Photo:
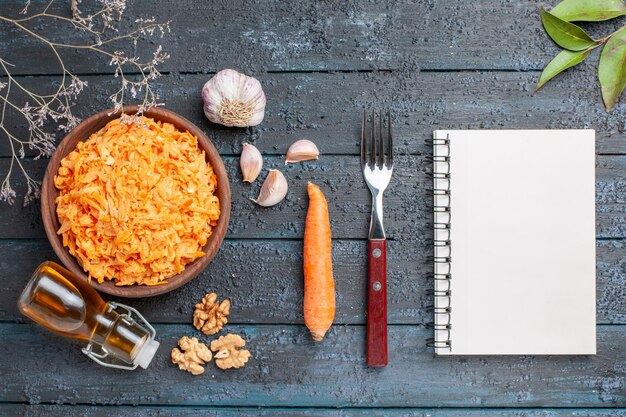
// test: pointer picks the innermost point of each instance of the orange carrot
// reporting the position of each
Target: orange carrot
(319, 286)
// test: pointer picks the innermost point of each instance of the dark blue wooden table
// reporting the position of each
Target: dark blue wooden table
(436, 64)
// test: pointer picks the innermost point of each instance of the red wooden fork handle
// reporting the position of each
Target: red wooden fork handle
(377, 303)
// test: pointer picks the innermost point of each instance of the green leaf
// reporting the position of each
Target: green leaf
(612, 68)
(589, 10)
(566, 35)
(564, 60)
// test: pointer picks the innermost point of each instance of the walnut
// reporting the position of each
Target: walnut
(228, 353)
(194, 356)
(210, 316)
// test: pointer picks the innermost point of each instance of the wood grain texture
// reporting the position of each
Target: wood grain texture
(319, 63)
(330, 374)
(326, 107)
(408, 202)
(263, 280)
(376, 342)
(254, 35)
(15, 410)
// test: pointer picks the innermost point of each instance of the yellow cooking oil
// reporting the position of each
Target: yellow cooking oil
(58, 300)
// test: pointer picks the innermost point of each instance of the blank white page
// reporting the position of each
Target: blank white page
(522, 229)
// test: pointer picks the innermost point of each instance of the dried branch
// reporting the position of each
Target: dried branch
(98, 30)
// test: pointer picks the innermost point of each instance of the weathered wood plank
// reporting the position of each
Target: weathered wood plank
(408, 203)
(263, 280)
(14, 410)
(406, 36)
(288, 368)
(315, 36)
(611, 269)
(325, 107)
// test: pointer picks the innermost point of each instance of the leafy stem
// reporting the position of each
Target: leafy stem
(577, 44)
(603, 40)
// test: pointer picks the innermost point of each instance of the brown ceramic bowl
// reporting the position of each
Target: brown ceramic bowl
(49, 194)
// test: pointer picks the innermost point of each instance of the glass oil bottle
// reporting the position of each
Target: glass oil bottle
(58, 300)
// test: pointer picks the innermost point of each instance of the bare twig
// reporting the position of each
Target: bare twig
(99, 33)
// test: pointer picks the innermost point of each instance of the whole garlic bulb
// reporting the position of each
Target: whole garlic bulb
(233, 99)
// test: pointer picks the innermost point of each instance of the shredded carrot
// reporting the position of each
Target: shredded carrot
(319, 286)
(137, 202)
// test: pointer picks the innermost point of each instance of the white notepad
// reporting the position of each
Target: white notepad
(515, 258)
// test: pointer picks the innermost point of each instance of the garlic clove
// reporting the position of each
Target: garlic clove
(273, 190)
(233, 99)
(302, 150)
(251, 162)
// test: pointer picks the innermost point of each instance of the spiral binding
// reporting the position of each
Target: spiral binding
(441, 293)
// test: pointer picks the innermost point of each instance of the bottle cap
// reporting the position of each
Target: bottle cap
(146, 353)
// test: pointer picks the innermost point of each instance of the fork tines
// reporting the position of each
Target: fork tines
(381, 150)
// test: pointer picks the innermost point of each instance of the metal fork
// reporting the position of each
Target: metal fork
(377, 166)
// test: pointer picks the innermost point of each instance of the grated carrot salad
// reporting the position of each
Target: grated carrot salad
(137, 202)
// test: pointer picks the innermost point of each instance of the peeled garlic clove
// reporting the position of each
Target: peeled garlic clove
(273, 190)
(233, 99)
(251, 162)
(302, 150)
